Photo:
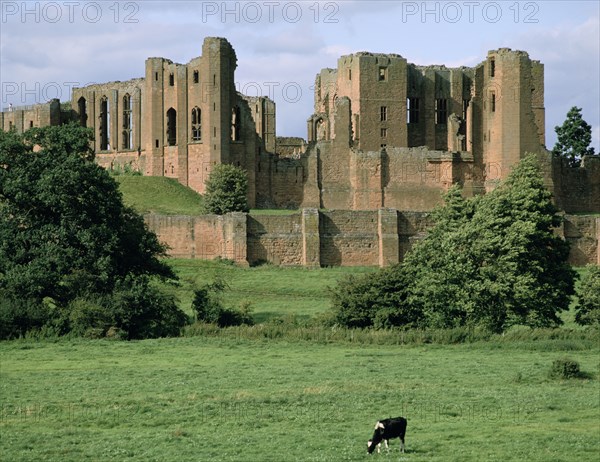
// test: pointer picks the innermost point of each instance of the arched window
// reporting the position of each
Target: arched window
(104, 124)
(196, 124)
(171, 127)
(127, 122)
(236, 123)
(82, 106)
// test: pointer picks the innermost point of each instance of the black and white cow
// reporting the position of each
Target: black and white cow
(386, 430)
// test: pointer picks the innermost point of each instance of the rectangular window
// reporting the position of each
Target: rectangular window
(196, 77)
(493, 102)
(412, 107)
(382, 74)
(441, 111)
(465, 108)
(171, 80)
(31, 124)
(464, 123)
(349, 74)
(384, 132)
(492, 67)
(156, 76)
(156, 143)
(383, 113)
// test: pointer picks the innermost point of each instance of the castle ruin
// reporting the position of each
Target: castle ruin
(385, 133)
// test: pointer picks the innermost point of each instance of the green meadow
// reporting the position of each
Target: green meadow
(288, 389)
(233, 399)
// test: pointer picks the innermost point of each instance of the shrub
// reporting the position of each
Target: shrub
(588, 309)
(376, 299)
(209, 309)
(564, 368)
(226, 190)
(17, 317)
(89, 317)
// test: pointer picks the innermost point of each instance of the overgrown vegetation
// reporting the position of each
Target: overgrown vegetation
(564, 368)
(574, 138)
(588, 308)
(491, 261)
(72, 256)
(208, 307)
(226, 190)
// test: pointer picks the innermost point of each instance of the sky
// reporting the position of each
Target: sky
(46, 48)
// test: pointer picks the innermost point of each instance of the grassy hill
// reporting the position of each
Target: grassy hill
(150, 194)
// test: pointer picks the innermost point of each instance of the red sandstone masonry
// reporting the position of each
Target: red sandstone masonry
(335, 238)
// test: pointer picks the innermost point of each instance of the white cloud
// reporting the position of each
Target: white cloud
(571, 57)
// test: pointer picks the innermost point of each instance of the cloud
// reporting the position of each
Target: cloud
(571, 57)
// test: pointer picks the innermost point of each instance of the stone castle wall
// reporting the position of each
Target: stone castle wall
(313, 238)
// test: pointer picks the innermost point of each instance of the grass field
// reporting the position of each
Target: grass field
(230, 397)
(233, 397)
(273, 291)
(215, 399)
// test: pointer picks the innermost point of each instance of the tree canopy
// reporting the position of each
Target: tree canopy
(64, 231)
(491, 261)
(574, 137)
(588, 308)
(226, 190)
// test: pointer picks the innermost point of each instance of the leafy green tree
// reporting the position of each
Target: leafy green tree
(588, 309)
(491, 261)
(574, 137)
(64, 231)
(439, 266)
(522, 274)
(226, 190)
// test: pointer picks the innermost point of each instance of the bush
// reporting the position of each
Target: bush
(226, 190)
(564, 368)
(143, 311)
(209, 309)
(588, 309)
(89, 317)
(376, 299)
(17, 317)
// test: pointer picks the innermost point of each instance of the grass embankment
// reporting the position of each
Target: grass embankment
(148, 194)
(273, 292)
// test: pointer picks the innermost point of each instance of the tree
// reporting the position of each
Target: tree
(439, 266)
(574, 138)
(491, 261)
(64, 231)
(226, 190)
(522, 274)
(588, 309)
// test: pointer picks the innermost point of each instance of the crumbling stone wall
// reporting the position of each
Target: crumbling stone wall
(577, 189)
(22, 118)
(315, 238)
